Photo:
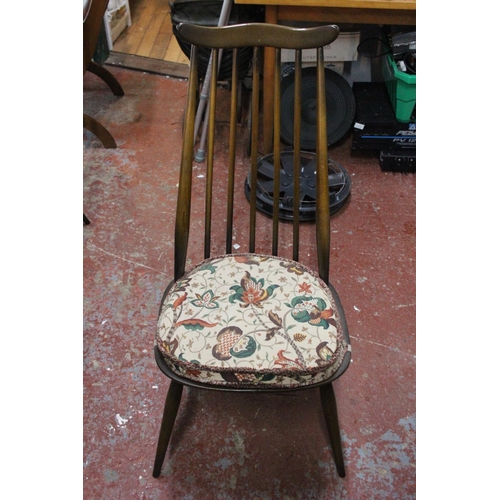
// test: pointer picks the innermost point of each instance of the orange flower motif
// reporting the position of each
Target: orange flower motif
(251, 292)
(327, 313)
(252, 295)
(305, 287)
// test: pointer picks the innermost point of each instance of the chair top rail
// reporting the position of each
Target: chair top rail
(258, 35)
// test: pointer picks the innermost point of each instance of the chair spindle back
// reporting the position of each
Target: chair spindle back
(259, 36)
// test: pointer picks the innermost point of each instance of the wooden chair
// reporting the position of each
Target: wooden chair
(252, 321)
(93, 13)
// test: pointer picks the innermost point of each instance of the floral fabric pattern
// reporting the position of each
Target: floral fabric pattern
(253, 320)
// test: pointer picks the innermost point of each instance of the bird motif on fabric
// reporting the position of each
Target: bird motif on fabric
(287, 363)
(250, 259)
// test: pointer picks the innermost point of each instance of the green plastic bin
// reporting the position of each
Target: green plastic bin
(402, 89)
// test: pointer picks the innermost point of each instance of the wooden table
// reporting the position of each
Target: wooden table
(328, 11)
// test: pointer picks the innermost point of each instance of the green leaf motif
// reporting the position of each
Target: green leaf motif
(208, 267)
(206, 300)
(232, 298)
(182, 358)
(237, 295)
(244, 347)
(193, 326)
(301, 316)
(299, 299)
(323, 323)
(320, 303)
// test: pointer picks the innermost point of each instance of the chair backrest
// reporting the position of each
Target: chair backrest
(258, 36)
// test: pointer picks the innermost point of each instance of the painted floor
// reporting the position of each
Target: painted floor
(229, 446)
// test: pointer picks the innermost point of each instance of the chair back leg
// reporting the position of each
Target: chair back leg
(332, 424)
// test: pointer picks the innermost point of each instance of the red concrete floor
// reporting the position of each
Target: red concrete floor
(229, 446)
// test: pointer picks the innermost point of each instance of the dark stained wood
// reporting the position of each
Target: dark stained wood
(107, 77)
(278, 36)
(186, 172)
(254, 148)
(322, 197)
(332, 424)
(276, 148)
(264, 35)
(232, 154)
(167, 424)
(99, 130)
(297, 118)
(155, 66)
(212, 109)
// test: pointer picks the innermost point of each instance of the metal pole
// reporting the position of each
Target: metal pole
(205, 91)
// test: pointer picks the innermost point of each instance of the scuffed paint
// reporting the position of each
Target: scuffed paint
(380, 461)
(111, 476)
(120, 420)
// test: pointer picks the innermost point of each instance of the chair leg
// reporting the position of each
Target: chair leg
(86, 220)
(332, 424)
(107, 77)
(169, 413)
(99, 130)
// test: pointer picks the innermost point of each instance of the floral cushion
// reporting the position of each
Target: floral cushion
(251, 320)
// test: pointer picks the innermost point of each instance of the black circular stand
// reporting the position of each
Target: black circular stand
(339, 185)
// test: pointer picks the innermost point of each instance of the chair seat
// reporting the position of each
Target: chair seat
(251, 320)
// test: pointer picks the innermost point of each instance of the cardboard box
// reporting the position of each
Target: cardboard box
(344, 48)
(289, 67)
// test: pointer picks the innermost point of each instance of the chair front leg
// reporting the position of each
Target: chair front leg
(332, 424)
(169, 413)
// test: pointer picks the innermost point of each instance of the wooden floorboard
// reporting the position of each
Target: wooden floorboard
(163, 39)
(150, 36)
(160, 47)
